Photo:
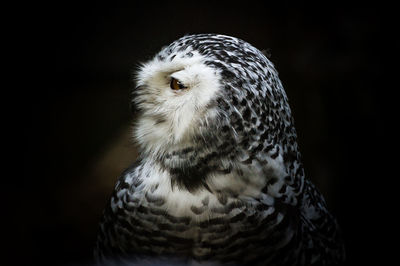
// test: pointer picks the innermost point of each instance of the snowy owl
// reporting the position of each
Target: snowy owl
(219, 178)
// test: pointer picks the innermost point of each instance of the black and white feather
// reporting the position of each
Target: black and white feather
(219, 178)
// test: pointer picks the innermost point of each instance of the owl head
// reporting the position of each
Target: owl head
(211, 101)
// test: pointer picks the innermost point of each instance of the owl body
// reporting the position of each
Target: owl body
(219, 177)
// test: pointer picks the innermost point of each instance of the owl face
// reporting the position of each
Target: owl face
(176, 98)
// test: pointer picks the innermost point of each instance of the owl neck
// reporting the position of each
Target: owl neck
(221, 164)
(190, 168)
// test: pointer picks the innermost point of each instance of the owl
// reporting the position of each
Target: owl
(219, 178)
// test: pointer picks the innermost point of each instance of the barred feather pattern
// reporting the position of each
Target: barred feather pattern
(219, 178)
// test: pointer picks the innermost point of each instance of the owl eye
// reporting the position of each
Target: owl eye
(177, 85)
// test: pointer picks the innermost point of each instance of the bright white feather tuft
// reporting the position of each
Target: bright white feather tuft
(170, 118)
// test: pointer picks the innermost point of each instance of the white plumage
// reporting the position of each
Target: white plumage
(219, 177)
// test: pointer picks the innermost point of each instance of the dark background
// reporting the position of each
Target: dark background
(71, 118)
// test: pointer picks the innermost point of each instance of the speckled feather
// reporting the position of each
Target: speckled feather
(219, 178)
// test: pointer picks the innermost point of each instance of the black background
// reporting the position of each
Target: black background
(73, 66)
